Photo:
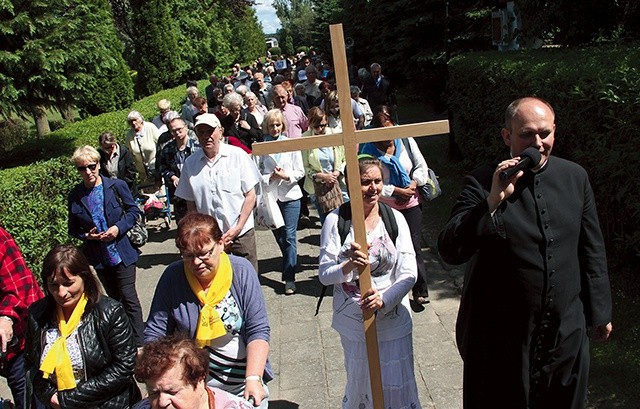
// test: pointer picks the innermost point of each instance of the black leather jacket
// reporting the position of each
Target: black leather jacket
(108, 350)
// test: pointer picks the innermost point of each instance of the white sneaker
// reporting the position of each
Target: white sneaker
(289, 287)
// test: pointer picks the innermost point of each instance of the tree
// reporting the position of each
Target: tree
(158, 61)
(297, 18)
(53, 54)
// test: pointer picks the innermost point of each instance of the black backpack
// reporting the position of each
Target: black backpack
(344, 225)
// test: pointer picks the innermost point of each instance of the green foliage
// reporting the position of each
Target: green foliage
(275, 51)
(594, 92)
(158, 61)
(57, 53)
(297, 18)
(33, 206)
(12, 133)
(249, 40)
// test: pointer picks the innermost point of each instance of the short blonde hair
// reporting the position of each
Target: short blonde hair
(85, 153)
(272, 115)
(164, 104)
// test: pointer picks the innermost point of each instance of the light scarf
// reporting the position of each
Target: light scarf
(398, 176)
(210, 325)
(57, 359)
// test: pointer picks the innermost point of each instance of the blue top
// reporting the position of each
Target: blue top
(81, 220)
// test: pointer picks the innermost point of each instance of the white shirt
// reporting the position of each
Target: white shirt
(291, 162)
(218, 186)
(393, 274)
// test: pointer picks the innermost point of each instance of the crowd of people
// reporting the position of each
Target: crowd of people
(536, 257)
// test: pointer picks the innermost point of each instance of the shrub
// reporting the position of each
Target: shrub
(12, 133)
(594, 92)
(275, 51)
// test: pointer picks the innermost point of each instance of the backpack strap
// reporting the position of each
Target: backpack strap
(344, 225)
(389, 220)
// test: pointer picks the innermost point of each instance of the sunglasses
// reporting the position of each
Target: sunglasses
(321, 126)
(91, 167)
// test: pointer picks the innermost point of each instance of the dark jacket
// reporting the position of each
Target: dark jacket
(536, 278)
(108, 350)
(246, 136)
(126, 168)
(80, 221)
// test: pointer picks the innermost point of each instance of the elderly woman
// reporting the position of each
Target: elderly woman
(254, 107)
(404, 168)
(393, 272)
(116, 161)
(209, 286)
(324, 168)
(141, 139)
(80, 348)
(280, 175)
(239, 125)
(101, 211)
(174, 371)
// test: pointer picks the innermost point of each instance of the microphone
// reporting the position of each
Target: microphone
(529, 158)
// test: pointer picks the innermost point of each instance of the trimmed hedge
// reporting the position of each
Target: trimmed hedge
(596, 96)
(33, 197)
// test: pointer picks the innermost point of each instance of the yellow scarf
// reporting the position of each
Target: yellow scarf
(210, 325)
(57, 359)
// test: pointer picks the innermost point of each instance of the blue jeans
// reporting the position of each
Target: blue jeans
(15, 373)
(287, 240)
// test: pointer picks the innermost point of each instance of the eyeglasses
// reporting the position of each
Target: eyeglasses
(91, 167)
(175, 131)
(202, 257)
(320, 126)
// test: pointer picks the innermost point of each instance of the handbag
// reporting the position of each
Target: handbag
(431, 189)
(267, 214)
(138, 234)
(328, 198)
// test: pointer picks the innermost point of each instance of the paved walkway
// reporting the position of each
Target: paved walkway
(305, 351)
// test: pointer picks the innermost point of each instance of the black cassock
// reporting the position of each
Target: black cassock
(536, 278)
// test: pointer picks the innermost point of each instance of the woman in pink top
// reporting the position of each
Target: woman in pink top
(404, 168)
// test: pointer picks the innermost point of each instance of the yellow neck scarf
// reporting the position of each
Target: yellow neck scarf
(57, 359)
(210, 325)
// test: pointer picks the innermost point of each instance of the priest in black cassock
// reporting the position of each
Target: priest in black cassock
(537, 284)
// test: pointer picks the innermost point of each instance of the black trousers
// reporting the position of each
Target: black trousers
(120, 283)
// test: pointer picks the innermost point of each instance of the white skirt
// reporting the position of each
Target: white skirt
(398, 378)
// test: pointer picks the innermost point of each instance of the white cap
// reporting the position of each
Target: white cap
(208, 119)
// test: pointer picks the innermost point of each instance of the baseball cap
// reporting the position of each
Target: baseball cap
(208, 119)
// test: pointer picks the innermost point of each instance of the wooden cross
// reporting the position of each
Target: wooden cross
(350, 139)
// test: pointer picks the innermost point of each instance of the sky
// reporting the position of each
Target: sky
(267, 16)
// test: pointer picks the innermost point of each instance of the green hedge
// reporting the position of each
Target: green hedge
(33, 196)
(596, 95)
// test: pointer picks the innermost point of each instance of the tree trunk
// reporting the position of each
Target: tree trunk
(67, 113)
(42, 122)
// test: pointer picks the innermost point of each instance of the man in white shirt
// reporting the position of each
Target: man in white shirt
(220, 180)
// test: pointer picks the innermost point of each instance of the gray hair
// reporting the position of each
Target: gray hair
(169, 116)
(133, 115)
(192, 90)
(242, 90)
(232, 99)
(355, 90)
